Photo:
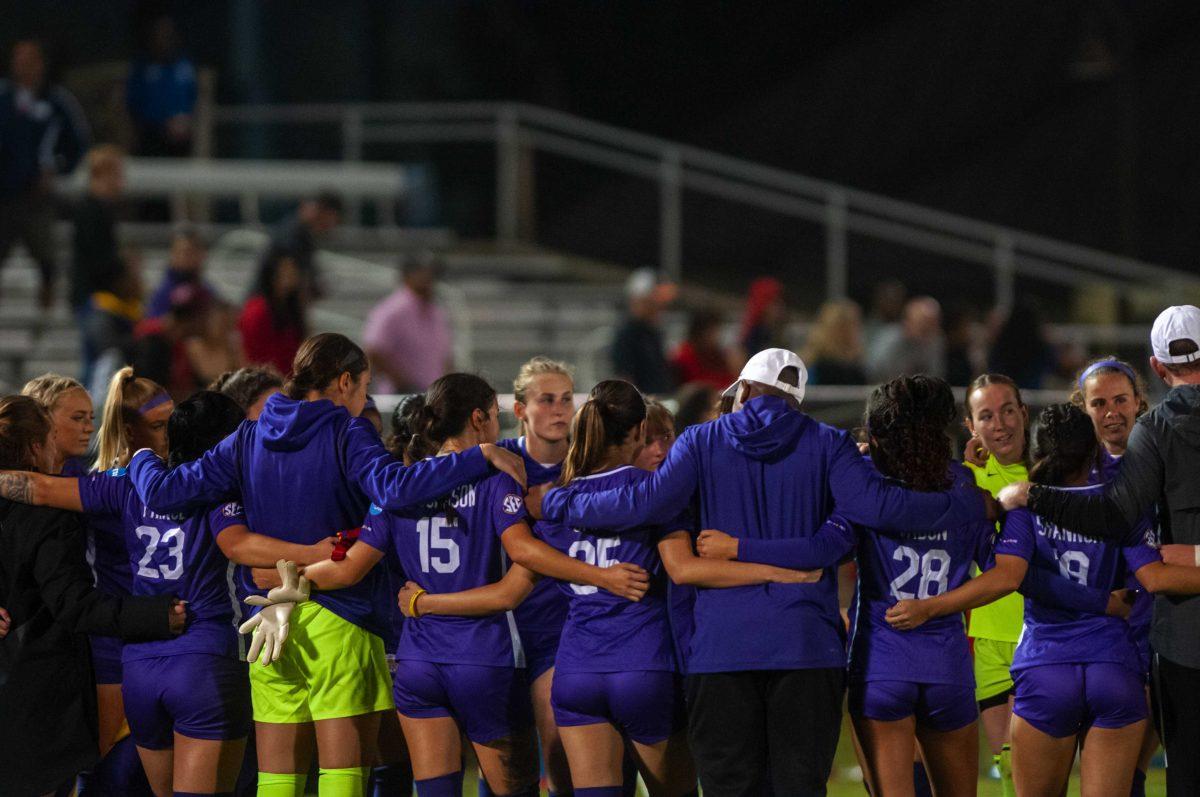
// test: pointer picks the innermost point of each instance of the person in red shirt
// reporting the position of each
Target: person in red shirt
(701, 358)
(273, 322)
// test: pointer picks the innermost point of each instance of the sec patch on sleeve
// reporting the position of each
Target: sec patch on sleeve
(513, 504)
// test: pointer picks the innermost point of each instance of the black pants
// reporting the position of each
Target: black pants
(1175, 695)
(765, 732)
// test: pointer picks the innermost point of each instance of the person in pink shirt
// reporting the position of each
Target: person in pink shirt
(407, 336)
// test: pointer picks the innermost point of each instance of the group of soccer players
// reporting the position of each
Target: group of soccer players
(541, 599)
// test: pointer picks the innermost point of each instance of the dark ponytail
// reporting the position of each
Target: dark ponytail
(200, 422)
(906, 419)
(320, 361)
(613, 409)
(444, 412)
(1065, 442)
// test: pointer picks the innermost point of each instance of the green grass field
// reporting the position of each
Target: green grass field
(842, 785)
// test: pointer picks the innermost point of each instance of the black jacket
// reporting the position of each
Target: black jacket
(96, 263)
(47, 689)
(1161, 467)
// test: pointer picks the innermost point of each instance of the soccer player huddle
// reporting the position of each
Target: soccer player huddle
(596, 599)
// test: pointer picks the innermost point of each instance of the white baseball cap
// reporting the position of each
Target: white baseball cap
(1181, 322)
(765, 368)
(646, 283)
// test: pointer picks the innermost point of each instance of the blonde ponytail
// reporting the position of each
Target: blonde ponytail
(122, 404)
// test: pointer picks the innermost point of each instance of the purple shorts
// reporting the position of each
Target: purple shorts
(940, 707)
(541, 648)
(197, 695)
(1066, 699)
(646, 706)
(106, 659)
(488, 703)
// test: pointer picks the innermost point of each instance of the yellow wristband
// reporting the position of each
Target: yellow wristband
(412, 603)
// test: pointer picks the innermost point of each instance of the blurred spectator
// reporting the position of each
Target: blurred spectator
(700, 357)
(113, 312)
(887, 306)
(697, 403)
(185, 266)
(160, 350)
(916, 346)
(408, 335)
(96, 263)
(762, 325)
(299, 236)
(274, 321)
(962, 361)
(42, 133)
(834, 350)
(1021, 349)
(217, 348)
(250, 387)
(638, 350)
(660, 435)
(161, 93)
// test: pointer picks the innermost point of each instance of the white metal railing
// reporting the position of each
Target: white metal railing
(180, 180)
(517, 129)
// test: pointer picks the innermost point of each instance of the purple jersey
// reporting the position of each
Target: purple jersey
(106, 552)
(545, 610)
(172, 555)
(1061, 636)
(451, 545)
(919, 564)
(604, 632)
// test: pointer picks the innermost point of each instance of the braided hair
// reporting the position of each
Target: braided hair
(1064, 444)
(906, 420)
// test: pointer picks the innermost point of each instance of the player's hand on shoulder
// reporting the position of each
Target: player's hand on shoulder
(906, 615)
(974, 453)
(1014, 496)
(714, 544)
(505, 461)
(626, 580)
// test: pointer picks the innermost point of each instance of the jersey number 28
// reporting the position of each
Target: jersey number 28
(933, 567)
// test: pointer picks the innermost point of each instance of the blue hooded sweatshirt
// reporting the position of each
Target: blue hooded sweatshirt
(767, 472)
(306, 470)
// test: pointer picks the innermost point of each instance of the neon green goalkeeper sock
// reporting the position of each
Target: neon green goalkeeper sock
(275, 784)
(351, 782)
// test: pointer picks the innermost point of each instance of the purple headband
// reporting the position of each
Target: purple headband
(1116, 365)
(157, 400)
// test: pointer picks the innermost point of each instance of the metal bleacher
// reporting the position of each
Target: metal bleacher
(508, 297)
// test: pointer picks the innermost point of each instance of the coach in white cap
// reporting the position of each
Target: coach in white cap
(1161, 467)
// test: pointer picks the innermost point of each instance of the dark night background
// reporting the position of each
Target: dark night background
(1073, 119)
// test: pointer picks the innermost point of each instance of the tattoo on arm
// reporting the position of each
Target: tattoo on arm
(16, 487)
